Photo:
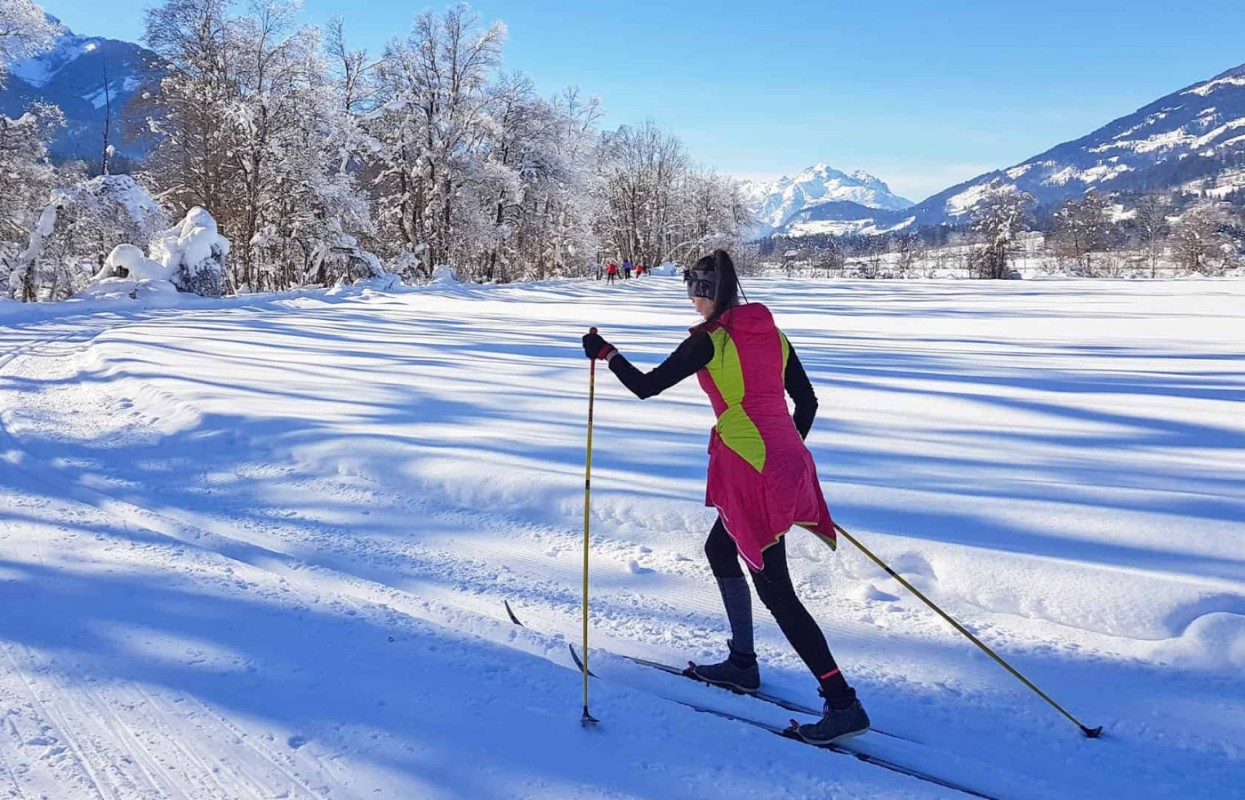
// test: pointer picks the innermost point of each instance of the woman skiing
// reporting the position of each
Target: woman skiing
(762, 479)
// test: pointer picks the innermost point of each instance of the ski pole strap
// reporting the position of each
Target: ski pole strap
(1092, 733)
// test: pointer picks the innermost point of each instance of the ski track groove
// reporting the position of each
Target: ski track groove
(264, 753)
(123, 734)
(160, 714)
(82, 342)
(63, 729)
(184, 775)
(11, 728)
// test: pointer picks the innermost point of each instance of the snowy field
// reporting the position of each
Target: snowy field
(259, 548)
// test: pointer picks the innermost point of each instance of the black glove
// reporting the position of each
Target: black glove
(596, 347)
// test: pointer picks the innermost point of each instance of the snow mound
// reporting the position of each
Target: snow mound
(137, 266)
(149, 292)
(444, 274)
(195, 252)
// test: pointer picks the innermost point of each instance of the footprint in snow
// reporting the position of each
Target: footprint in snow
(296, 742)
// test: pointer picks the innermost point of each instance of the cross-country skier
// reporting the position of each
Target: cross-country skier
(611, 272)
(627, 269)
(762, 478)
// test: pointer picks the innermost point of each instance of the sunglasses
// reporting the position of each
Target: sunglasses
(701, 283)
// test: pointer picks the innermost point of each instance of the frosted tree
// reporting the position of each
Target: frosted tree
(1152, 228)
(656, 205)
(431, 129)
(253, 130)
(1199, 243)
(713, 213)
(537, 177)
(194, 163)
(1082, 227)
(29, 178)
(76, 231)
(999, 219)
(642, 170)
(194, 253)
(27, 175)
(563, 205)
(25, 30)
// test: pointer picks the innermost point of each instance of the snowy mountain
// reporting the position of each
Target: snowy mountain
(1195, 134)
(819, 193)
(1190, 140)
(72, 76)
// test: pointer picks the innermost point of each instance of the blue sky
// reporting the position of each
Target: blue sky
(922, 93)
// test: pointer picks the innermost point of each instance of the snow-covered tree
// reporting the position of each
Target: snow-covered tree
(252, 129)
(999, 219)
(642, 169)
(656, 205)
(558, 235)
(77, 229)
(713, 213)
(193, 163)
(1082, 227)
(25, 30)
(1152, 227)
(537, 173)
(430, 128)
(26, 175)
(1199, 243)
(194, 253)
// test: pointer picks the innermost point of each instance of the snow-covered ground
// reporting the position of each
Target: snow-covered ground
(259, 548)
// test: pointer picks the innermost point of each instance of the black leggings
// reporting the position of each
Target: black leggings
(773, 585)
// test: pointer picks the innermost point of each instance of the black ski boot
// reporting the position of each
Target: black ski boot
(836, 726)
(739, 672)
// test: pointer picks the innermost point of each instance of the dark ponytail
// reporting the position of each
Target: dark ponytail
(727, 296)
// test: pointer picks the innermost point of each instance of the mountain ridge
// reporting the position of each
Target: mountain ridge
(784, 201)
(71, 74)
(1194, 133)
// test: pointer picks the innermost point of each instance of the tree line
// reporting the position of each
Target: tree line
(1195, 231)
(315, 157)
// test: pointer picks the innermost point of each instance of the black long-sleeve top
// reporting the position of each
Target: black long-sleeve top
(694, 354)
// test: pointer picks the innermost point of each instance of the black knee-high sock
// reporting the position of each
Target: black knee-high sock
(774, 587)
(737, 597)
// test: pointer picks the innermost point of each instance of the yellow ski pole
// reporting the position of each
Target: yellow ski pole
(587, 718)
(1092, 733)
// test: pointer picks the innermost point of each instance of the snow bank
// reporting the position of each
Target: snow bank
(151, 293)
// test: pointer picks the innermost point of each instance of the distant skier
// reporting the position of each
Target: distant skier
(762, 478)
(639, 270)
(627, 270)
(611, 272)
